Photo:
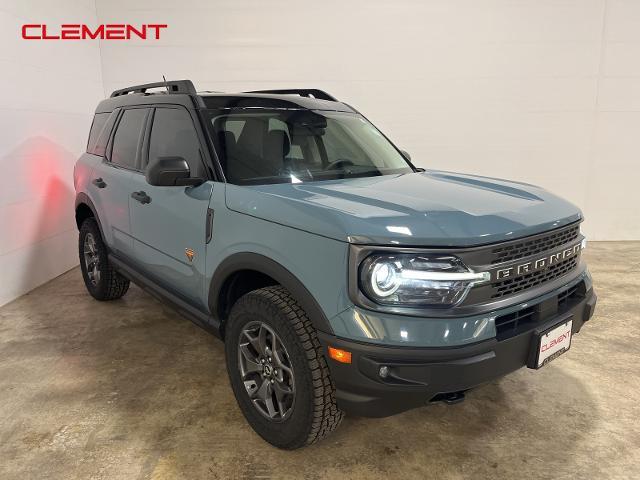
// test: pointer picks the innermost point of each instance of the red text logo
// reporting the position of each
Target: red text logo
(554, 342)
(80, 31)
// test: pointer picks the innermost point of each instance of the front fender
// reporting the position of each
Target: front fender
(253, 261)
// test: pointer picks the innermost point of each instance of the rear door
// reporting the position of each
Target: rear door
(170, 231)
(112, 178)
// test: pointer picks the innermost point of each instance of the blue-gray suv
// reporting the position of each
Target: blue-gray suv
(341, 277)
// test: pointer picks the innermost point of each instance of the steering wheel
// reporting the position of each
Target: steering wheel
(341, 162)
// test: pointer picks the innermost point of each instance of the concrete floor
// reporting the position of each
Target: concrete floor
(129, 389)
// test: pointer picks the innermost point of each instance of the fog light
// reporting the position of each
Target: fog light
(384, 371)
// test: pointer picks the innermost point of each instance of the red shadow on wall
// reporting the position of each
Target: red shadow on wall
(38, 216)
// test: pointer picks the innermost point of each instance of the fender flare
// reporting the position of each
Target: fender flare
(83, 199)
(260, 263)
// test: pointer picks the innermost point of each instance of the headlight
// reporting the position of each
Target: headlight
(417, 280)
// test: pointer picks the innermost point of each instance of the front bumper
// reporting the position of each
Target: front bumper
(419, 375)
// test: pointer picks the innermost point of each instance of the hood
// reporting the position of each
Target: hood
(431, 208)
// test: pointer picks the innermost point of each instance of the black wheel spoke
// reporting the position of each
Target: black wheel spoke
(262, 339)
(253, 339)
(263, 392)
(251, 364)
(273, 347)
(282, 390)
(271, 408)
(279, 361)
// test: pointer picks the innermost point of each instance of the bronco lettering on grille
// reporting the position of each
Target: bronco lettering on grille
(535, 265)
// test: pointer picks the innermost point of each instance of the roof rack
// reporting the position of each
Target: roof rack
(172, 86)
(303, 92)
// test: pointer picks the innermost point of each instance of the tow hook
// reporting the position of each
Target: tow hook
(450, 398)
(453, 398)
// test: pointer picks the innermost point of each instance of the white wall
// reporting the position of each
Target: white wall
(542, 91)
(48, 91)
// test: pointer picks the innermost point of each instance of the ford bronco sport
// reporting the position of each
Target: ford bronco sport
(341, 277)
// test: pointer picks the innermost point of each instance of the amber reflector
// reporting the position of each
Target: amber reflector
(339, 355)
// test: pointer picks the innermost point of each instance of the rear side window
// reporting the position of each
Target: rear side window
(173, 135)
(99, 121)
(126, 141)
(102, 137)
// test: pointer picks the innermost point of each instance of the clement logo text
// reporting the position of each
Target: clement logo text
(80, 31)
(554, 342)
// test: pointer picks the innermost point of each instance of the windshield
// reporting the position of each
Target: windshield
(295, 146)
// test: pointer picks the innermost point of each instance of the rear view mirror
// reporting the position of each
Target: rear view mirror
(169, 172)
(405, 154)
(305, 123)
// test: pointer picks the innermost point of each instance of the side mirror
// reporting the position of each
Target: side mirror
(170, 172)
(408, 158)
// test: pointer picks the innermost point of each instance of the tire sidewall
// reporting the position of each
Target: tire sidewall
(293, 431)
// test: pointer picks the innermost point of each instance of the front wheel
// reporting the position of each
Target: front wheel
(277, 370)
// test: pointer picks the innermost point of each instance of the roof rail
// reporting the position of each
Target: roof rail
(172, 86)
(303, 92)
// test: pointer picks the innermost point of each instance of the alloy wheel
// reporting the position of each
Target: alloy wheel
(91, 259)
(266, 371)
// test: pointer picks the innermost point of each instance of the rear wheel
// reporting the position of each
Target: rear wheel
(100, 278)
(278, 372)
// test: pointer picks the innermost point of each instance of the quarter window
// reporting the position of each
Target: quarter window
(97, 126)
(127, 138)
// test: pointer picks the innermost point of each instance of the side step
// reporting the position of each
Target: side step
(188, 311)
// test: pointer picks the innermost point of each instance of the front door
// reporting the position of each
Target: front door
(169, 224)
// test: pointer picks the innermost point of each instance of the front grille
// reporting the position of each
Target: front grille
(565, 298)
(526, 248)
(528, 318)
(512, 322)
(503, 288)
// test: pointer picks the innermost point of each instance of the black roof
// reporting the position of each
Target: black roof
(182, 92)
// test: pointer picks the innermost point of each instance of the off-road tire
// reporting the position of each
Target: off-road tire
(314, 414)
(111, 284)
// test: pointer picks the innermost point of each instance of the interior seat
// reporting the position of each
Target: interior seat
(276, 148)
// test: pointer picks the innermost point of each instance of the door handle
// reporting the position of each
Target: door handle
(98, 182)
(141, 197)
